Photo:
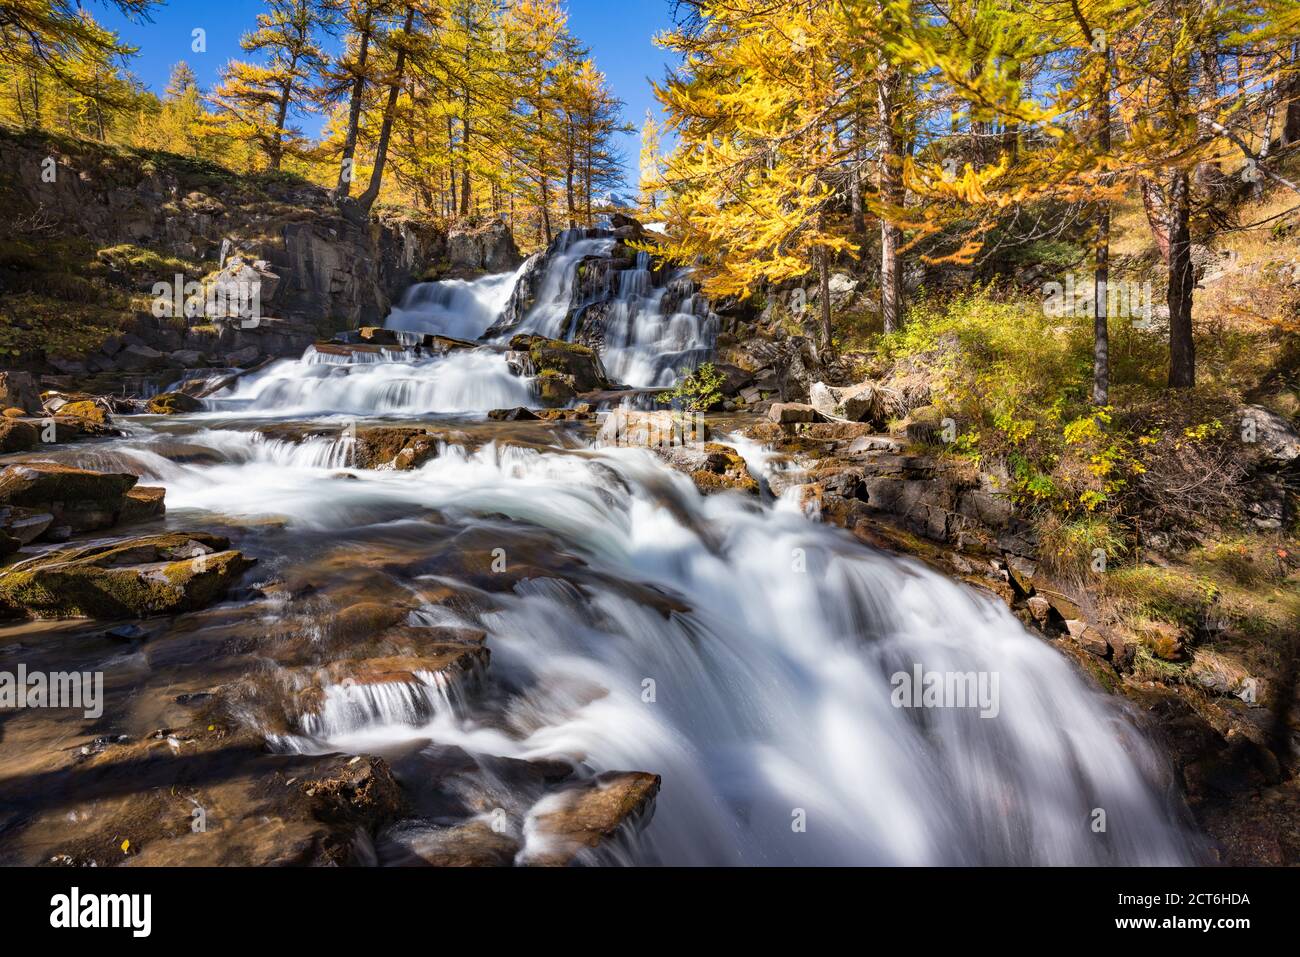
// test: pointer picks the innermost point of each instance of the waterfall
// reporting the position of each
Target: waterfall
(453, 307)
(644, 345)
(748, 656)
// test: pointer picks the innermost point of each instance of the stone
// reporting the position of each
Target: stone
(18, 391)
(567, 825)
(1062, 604)
(142, 504)
(188, 358)
(576, 363)
(712, 467)
(1274, 437)
(173, 403)
(85, 410)
(788, 413)
(864, 402)
(17, 435)
(1040, 608)
(661, 428)
(131, 578)
(1022, 572)
(81, 499)
(416, 452)
(516, 414)
(241, 358)
(24, 524)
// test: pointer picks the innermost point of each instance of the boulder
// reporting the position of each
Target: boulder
(17, 435)
(140, 358)
(567, 825)
(1274, 437)
(173, 403)
(789, 413)
(25, 525)
(577, 364)
(142, 504)
(517, 414)
(78, 498)
(131, 578)
(864, 402)
(86, 411)
(652, 429)
(18, 391)
(712, 467)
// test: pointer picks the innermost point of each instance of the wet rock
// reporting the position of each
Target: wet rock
(379, 446)
(85, 410)
(174, 403)
(576, 364)
(712, 467)
(416, 452)
(565, 826)
(81, 499)
(142, 504)
(473, 844)
(511, 415)
(17, 435)
(1039, 608)
(135, 577)
(377, 335)
(24, 524)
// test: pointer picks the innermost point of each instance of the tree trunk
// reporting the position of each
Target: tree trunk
(1182, 352)
(281, 115)
(891, 196)
(824, 282)
(1101, 273)
(346, 171)
(1291, 125)
(367, 199)
(465, 192)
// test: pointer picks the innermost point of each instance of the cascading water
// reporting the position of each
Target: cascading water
(453, 307)
(644, 346)
(771, 670)
(741, 651)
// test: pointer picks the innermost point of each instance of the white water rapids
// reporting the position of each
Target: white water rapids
(764, 700)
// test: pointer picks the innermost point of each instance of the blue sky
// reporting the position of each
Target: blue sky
(618, 31)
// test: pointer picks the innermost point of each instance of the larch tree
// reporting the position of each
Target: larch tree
(255, 99)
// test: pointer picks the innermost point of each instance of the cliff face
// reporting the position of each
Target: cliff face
(113, 224)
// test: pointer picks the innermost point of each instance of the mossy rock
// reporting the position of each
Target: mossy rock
(87, 411)
(554, 388)
(574, 360)
(40, 484)
(174, 403)
(133, 578)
